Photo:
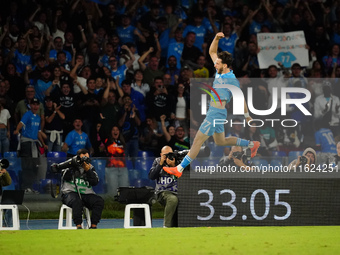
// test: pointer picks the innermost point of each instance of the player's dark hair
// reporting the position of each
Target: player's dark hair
(226, 57)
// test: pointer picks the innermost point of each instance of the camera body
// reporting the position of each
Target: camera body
(238, 154)
(179, 155)
(244, 156)
(123, 52)
(303, 160)
(4, 163)
(73, 162)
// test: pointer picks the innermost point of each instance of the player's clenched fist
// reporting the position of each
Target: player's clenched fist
(219, 35)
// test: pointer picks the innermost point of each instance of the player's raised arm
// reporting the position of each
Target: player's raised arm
(214, 46)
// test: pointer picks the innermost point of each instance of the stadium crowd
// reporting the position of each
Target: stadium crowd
(119, 71)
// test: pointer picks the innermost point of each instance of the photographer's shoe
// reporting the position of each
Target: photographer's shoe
(255, 148)
(79, 227)
(173, 170)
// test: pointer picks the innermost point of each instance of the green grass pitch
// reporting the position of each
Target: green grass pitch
(217, 240)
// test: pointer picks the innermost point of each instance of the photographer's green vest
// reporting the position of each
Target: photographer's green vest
(82, 184)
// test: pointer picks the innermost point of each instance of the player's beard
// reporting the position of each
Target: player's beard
(220, 70)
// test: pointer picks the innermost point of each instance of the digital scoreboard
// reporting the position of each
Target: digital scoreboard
(257, 202)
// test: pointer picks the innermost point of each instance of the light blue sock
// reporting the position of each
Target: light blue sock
(242, 142)
(186, 161)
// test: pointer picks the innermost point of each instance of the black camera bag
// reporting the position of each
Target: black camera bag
(131, 195)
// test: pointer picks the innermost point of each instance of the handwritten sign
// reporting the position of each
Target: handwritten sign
(287, 48)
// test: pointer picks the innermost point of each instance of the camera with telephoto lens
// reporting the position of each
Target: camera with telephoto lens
(74, 162)
(123, 52)
(303, 160)
(244, 156)
(179, 155)
(4, 163)
(238, 154)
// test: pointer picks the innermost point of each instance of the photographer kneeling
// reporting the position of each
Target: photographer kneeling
(307, 159)
(238, 158)
(76, 189)
(166, 185)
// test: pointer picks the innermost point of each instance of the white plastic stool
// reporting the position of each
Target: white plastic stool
(15, 216)
(68, 213)
(128, 208)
